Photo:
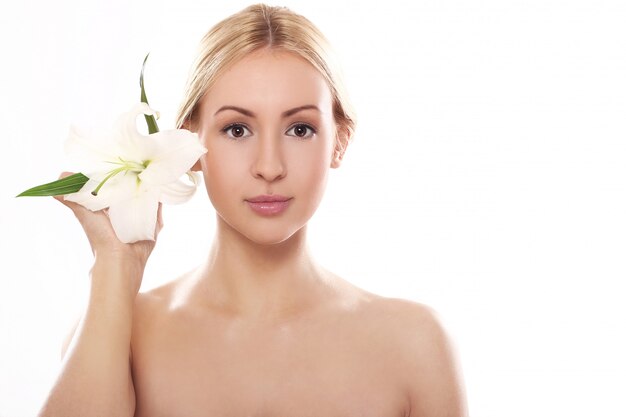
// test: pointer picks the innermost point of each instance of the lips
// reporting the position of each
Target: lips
(269, 205)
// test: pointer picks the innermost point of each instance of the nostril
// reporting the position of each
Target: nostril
(270, 175)
(269, 166)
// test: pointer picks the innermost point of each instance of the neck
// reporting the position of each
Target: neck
(261, 281)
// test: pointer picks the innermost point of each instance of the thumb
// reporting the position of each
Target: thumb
(61, 198)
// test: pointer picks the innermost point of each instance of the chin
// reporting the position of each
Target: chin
(272, 235)
(266, 231)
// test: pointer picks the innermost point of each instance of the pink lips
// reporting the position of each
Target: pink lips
(268, 205)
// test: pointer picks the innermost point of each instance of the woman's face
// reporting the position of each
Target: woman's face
(268, 126)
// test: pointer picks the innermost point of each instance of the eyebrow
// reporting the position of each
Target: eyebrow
(286, 113)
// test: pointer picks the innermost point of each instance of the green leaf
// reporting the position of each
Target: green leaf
(67, 185)
(150, 120)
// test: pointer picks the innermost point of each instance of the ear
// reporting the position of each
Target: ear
(337, 157)
(341, 144)
(187, 125)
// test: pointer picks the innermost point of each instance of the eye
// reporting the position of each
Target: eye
(236, 131)
(302, 131)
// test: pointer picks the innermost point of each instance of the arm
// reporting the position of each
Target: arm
(436, 388)
(95, 377)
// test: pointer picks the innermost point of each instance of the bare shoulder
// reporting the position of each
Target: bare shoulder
(419, 325)
(154, 301)
(426, 342)
(407, 311)
(414, 322)
(427, 355)
(154, 306)
(157, 298)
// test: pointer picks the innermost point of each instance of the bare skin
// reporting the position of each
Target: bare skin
(345, 352)
(259, 329)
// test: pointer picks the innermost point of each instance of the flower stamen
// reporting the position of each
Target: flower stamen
(108, 177)
(126, 166)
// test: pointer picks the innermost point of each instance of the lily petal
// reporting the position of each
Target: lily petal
(179, 192)
(90, 150)
(178, 150)
(127, 123)
(136, 146)
(135, 219)
(117, 189)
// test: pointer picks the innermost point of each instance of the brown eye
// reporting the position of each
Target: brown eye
(302, 131)
(236, 131)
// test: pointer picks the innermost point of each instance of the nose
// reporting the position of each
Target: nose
(269, 163)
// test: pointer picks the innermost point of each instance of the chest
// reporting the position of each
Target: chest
(190, 368)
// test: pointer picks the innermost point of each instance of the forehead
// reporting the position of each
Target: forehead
(270, 79)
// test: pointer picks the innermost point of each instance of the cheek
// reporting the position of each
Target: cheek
(312, 169)
(221, 176)
(316, 170)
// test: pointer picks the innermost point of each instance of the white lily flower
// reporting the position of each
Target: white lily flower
(130, 173)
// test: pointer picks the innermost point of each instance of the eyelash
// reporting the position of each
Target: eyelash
(311, 129)
(227, 128)
(309, 134)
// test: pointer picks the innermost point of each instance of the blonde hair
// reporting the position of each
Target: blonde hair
(261, 26)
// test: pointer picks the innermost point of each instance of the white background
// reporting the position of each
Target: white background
(487, 179)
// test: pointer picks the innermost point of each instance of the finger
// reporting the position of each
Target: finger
(61, 198)
(66, 174)
(63, 175)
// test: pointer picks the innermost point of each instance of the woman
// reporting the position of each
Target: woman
(259, 328)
